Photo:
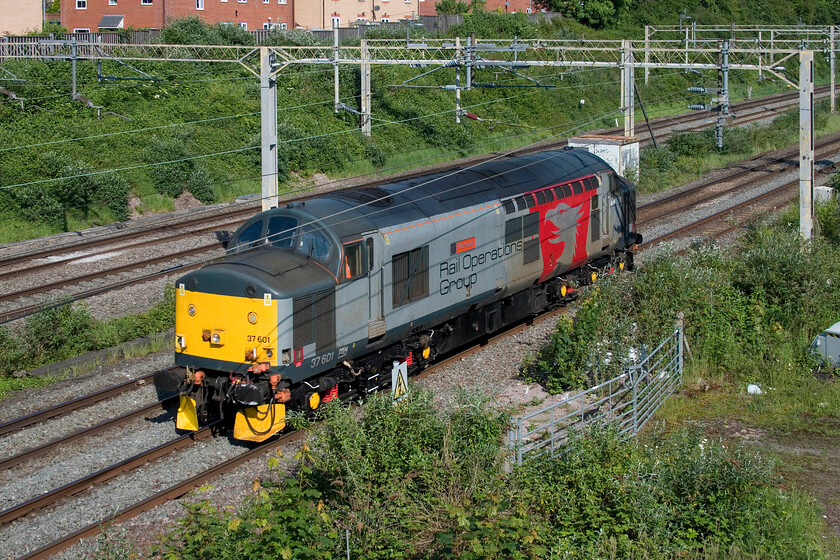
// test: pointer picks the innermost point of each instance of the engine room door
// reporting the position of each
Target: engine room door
(375, 249)
(608, 207)
(351, 294)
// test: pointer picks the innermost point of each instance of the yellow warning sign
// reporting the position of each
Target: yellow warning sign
(399, 380)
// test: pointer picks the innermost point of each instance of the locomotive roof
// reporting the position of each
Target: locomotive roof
(416, 198)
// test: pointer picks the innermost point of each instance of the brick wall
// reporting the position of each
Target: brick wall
(20, 16)
(255, 14)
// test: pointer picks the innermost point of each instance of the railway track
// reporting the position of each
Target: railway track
(731, 218)
(58, 495)
(734, 218)
(201, 229)
(741, 176)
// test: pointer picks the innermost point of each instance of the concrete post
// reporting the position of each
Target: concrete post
(458, 81)
(806, 143)
(647, 54)
(627, 105)
(366, 97)
(268, 122)
(73, 56)
(832, 63)
(335, 70)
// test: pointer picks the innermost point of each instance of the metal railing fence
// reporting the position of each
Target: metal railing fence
(626, 402)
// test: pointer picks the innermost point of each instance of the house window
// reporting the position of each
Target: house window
(266, 1)
(146, 2)
(81, 4)
(281, 1)
(267, 25)
(384, 20)
(243, 25)
(112, 2)
(410, 276)
(336, 21)
(243, 1)
(283, 26)
(81, 30)
(199, 4)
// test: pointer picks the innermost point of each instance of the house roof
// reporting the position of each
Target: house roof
(111, 22)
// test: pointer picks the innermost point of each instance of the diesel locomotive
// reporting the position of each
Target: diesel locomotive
(324, 298)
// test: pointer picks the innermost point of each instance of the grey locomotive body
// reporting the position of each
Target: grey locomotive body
(360, 279)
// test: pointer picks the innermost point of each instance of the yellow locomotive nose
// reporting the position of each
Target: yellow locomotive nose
(223, 328)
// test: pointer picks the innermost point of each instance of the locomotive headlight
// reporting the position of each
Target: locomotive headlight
(191, 310)
(217, 337)
(252, 318)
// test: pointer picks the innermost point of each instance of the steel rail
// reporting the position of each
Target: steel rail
(828, 145)
(107, 473)
(77, 403)
(40, 451)
(171, 493)
(146, 243)
(127, 233)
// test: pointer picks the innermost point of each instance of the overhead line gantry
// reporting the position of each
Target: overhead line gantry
(267, 62)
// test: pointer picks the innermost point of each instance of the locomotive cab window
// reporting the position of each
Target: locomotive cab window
(250, 235)
(281, 231)
(410, 272)
(354, 264)
(314, 244)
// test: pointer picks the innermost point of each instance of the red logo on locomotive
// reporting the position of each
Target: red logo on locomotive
(564, 227)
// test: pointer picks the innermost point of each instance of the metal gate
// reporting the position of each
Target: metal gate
(626, 402)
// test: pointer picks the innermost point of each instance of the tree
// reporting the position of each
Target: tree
(594, 13)
(451, 7)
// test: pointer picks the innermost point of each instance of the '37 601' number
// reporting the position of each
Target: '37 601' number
(259, 339)
(322, 359)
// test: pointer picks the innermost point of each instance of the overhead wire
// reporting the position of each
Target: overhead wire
(393, 168)
(237, 150)
(351, 208)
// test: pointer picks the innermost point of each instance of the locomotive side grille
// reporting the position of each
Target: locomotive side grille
(531, 251)
(324, 309)
(314, 320)
(410, 276)
(513, 230)
(303, 333)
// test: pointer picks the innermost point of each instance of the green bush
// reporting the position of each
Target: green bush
(585, 350)
(828, 213)
(64, 331)
(58, 333)
(173, 170)
(673, 494)
(195, 31)
(282, 521)
(408, 482)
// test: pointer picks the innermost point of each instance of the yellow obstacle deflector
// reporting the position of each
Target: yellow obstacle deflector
(186, 418)
(260, 422)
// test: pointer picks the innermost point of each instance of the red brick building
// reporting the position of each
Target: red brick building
(427, 8)
(92, 15)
